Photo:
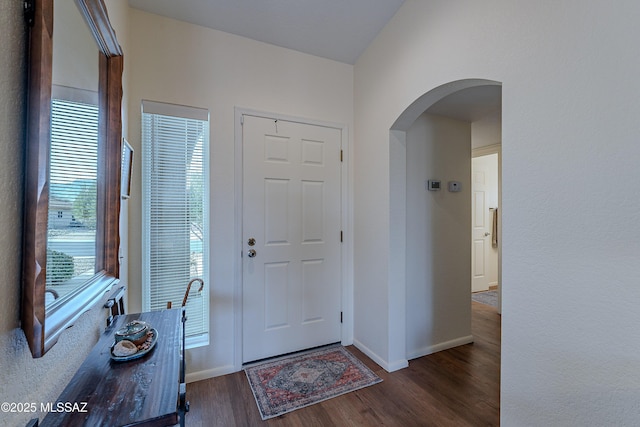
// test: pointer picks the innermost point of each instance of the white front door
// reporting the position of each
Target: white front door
(484, 257)
(291, 236)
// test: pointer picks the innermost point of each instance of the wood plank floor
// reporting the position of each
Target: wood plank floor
(456, 387)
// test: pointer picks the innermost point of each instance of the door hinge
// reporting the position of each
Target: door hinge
(340, 317)
(341, 236)
(341, 155)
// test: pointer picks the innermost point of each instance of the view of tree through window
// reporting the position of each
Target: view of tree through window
(175, 211)
(71, 232)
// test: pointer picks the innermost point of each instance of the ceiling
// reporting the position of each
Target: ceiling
(335, 29)
(469, 104)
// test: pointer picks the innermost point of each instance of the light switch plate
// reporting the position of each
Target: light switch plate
(433, 185)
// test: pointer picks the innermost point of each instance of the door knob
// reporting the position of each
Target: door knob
(251, 253)
(487, 234)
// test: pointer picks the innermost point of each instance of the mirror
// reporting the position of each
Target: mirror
(72, 187)
(73, 157)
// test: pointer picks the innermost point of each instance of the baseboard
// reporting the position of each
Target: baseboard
(493, 286)
(389, 367)
(210, 373)
(424, 351)
(397, 365)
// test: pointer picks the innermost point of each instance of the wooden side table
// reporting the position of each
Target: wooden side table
(140, 392)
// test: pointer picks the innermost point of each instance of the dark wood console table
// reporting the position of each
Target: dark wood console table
(140, 392)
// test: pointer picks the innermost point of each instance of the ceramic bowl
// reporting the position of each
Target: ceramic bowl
(135, 331)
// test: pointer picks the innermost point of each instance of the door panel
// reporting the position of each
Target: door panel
(276, 203)
(291, 207)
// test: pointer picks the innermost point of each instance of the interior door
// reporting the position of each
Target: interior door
(291, 236)
(484, 196)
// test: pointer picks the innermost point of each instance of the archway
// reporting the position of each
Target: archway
(399, 211)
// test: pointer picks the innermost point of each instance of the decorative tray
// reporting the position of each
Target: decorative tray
(153, 333)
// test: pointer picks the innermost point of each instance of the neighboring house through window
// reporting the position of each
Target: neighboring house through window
(71, 227)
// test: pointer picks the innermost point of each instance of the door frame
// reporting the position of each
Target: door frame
(346, 201)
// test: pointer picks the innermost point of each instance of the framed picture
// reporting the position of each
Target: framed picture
(127, 168)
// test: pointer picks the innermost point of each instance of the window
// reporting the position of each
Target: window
(71, 230)
(175, 143)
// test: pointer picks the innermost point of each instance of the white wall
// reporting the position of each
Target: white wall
(487, 130)
(570, 106)
(180, 63)
(12, 110)
(438, 270)
(75, 52)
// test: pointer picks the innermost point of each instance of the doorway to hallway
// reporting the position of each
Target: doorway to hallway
(437, 301)
(484, 222)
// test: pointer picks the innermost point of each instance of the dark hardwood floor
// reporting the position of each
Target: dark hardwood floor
(456, 387)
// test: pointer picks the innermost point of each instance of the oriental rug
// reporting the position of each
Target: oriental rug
(302, 379)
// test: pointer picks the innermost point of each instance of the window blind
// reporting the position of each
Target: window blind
(175, 210)
(71, 227)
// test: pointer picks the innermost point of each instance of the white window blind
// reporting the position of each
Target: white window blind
(175, 142)
(71, 227)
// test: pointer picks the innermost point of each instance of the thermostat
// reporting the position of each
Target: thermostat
(455, 186)
(433, 185)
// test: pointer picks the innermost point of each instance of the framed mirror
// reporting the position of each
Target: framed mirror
(73, 164)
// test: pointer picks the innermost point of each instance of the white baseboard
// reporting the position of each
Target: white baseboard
(424, 351)
(210, 373)
(387, 366)
(397, 365)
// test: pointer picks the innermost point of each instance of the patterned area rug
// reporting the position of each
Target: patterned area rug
(302, 379)
(486, 297)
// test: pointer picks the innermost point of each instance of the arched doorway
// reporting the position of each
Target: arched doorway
(437, 315)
